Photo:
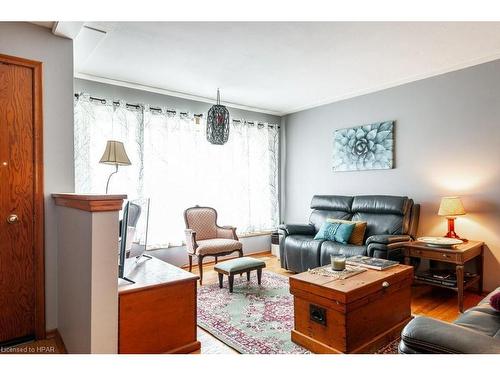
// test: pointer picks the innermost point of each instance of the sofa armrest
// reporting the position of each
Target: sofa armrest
(191, 244)
(387, 239)
(289, 229)
(227, 232)
(427, 335)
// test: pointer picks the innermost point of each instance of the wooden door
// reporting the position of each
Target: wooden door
(21, 201)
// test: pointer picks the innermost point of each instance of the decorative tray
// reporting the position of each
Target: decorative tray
(440, 241)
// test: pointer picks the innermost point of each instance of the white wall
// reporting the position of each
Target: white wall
(38, 43)
(447, 142)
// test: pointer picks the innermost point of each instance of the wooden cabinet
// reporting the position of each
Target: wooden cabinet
(157, 314)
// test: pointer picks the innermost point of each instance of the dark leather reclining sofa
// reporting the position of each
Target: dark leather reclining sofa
(391, 221)
(476, 331)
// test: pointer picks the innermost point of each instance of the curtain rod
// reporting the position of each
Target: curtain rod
(137, 106)
(258, 123)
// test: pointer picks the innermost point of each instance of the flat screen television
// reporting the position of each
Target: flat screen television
(133, 232)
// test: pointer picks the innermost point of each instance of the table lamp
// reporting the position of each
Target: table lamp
(114, 154)
(451, 207)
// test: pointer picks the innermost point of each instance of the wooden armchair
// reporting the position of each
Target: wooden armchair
(205, 238)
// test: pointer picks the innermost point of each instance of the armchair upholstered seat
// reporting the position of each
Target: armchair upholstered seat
(216, 245)
(205, 238)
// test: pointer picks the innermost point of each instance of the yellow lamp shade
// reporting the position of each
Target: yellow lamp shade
(451, 206)
(115, 154)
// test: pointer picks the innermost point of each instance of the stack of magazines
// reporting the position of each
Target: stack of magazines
(441, 277)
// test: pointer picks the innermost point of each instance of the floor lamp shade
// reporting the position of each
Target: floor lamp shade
(115, 154)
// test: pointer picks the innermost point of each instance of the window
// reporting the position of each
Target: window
(176, 167)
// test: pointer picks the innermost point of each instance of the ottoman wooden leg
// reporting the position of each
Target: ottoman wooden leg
(221, 279)
(248, 276)
(259, 275)
(231, 282)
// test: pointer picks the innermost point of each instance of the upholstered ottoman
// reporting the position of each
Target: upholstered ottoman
(239, 266)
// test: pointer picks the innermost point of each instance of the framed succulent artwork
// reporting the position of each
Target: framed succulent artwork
(364, 147)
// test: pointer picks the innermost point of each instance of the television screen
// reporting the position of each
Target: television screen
(133, 231)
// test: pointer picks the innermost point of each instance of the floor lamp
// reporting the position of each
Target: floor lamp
(114, 154)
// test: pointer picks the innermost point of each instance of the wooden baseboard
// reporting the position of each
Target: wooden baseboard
(56, 336)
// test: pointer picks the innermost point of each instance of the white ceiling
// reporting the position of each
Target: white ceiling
(278, 67)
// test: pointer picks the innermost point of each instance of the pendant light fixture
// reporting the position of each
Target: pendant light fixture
(218, 123)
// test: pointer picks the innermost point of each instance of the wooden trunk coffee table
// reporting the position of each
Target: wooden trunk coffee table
(357, 315)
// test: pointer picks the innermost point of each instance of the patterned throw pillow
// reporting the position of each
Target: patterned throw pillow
(495, 301)
(338, 232)
(358, 234)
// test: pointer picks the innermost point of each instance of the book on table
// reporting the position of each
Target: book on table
(372, 263)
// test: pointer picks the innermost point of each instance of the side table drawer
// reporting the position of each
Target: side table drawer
(429, 254)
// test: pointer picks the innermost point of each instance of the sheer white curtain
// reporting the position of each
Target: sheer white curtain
(176, 167)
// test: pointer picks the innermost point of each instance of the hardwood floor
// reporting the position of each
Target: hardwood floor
(53, 344)
(426, 300)
(430, 301)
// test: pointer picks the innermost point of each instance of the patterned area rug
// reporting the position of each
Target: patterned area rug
(254, 319)
(391, 348)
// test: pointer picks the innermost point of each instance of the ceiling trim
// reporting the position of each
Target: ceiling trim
(158, 90)
(401, 82)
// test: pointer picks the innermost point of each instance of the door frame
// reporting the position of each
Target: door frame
(38, 192)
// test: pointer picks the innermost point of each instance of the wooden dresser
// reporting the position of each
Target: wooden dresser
(157, 314)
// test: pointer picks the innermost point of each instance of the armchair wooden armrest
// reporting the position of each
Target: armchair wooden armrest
(191, 244)
(227, 232)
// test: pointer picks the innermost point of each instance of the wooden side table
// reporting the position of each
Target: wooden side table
(458, 255)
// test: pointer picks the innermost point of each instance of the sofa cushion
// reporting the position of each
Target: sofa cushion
(318, 217)
(489, 324)
(329, 248)
(380, 204)
(358, 233)
(338, 232)
(380, 223)
(331, 203)
(302, 252)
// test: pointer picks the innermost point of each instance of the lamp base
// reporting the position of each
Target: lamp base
(451, 230)
(109, 178)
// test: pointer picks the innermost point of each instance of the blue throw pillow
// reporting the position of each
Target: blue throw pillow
(337, 232)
